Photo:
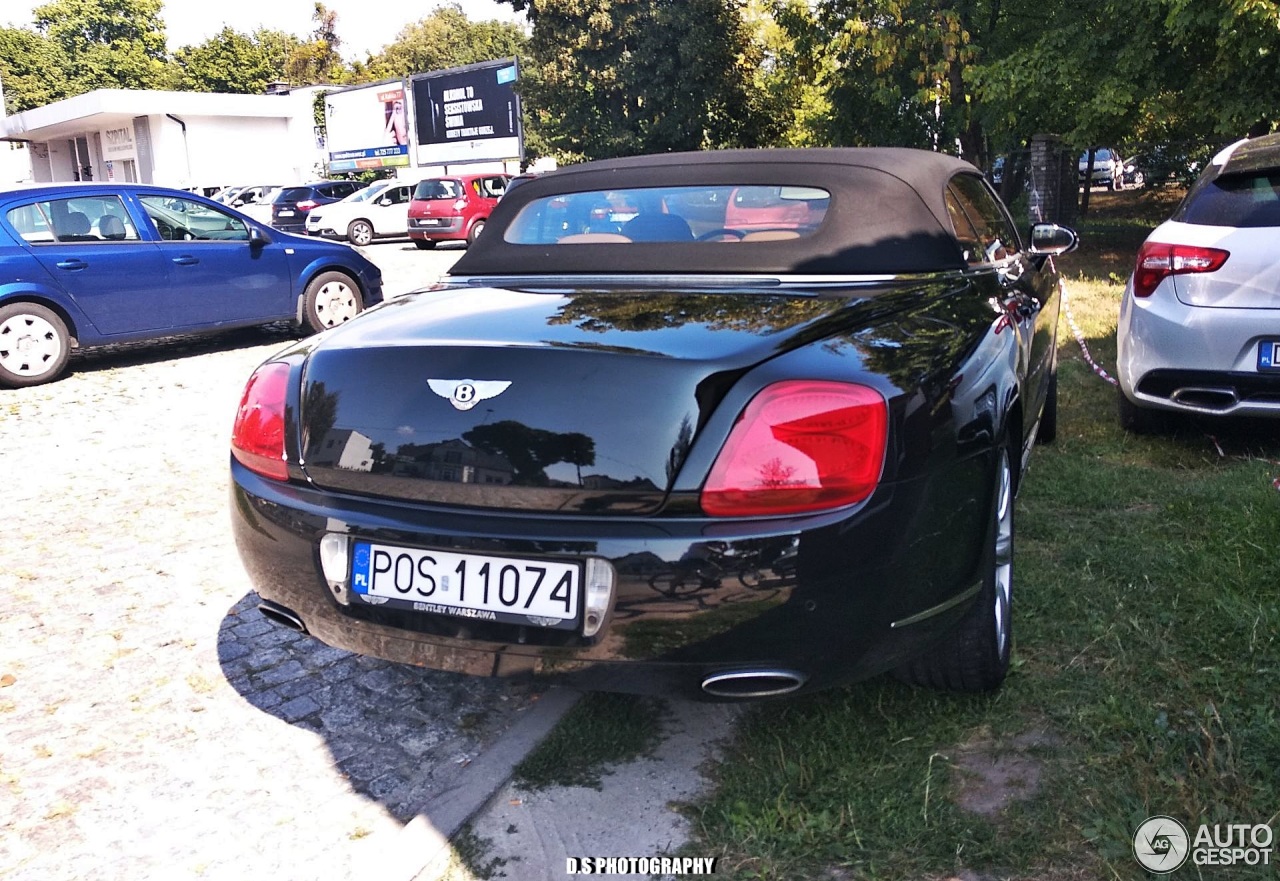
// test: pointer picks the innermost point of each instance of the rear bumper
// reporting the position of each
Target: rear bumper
(1193, 359)
(451, 230)
(830, 599)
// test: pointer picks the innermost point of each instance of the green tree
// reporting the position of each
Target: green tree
(446, 38)
(232, 62)
(620, 77)
(106, 44)
(318, 61)
(31, 70)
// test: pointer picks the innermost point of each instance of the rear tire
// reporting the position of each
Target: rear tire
(34, 345)
(974, 657)
(360, 232)
(333, 298)
(476, 229)
(424, 244)
(1048, 432)
(1138, 420)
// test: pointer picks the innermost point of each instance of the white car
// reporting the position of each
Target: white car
(260, 208)
(1199, 329)
(380, 209)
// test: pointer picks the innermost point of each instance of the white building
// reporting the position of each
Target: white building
(177, 139)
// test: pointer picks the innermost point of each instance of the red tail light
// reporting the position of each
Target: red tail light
(257, 440)
(307, 204)
(800, 445)
(1158, 260)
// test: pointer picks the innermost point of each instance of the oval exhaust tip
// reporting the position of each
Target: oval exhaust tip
(278, 614)
(753, 683)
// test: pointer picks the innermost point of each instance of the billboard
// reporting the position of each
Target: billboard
(468, 114)
(367, 127)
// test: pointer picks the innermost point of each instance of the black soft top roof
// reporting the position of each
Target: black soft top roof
(886, 215)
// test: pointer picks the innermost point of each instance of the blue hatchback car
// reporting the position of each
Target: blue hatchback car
(88, 264)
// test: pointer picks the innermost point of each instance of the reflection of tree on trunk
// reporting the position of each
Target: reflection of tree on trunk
(531, 450)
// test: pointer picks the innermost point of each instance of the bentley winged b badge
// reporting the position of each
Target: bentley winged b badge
(466, 393)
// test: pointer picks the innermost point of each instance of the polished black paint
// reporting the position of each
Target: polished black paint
(623, 391)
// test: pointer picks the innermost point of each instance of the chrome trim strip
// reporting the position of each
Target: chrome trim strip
(938, 609)
(577, 282)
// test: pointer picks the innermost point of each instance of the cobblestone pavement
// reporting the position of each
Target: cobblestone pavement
(152, 724)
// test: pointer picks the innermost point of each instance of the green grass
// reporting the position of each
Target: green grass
(600, 731)
(1146, 648)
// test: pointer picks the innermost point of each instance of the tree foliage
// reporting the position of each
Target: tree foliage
(234, 62)
(619, 77)
(104, 44)
(446, 38)
(30, 70)
(318, 60)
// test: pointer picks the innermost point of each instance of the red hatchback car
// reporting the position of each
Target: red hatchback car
(453, 209)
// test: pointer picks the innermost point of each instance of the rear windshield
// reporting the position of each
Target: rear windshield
(438, 189)
(1239, 200)
(671, 214)
(294, 194)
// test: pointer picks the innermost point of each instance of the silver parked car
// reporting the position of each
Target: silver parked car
(1108, 168)
(1199, 324)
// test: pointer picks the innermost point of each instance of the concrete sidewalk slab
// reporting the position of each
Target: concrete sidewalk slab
(633, 814)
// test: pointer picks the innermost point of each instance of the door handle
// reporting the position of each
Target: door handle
(186, 260)
(72, 263)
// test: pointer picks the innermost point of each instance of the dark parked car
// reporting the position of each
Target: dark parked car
(677, 457)
(90, 264)
(291, 205)
(453, 209)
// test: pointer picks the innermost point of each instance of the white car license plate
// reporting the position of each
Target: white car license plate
(540, 592)
(1269, 355)
(284, 212)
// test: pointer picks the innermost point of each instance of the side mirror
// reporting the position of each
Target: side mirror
(1050, 240)
(257, 238)
(384, 202)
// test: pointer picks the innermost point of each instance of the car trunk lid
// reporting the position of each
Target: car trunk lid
(545, 400)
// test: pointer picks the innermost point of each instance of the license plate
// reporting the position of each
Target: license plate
(430, 221)
(539, 592)
(1269, 355)
(284, 212)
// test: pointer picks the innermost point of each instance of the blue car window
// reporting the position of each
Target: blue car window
(81, 219)
(713, 214)
(186, 220)
(996, 237)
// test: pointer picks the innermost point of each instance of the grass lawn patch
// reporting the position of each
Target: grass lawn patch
(1144, 673)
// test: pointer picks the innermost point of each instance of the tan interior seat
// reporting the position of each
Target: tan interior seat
(770, 235)
(593, 238)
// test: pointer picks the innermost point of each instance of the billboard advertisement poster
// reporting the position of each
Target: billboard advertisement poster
(367, 127)
(468, 114)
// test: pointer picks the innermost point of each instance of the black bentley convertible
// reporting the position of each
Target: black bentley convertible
(730, 424)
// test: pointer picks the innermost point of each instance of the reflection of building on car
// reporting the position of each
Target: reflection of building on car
(453, 209)
(101, 263)
(752, 422)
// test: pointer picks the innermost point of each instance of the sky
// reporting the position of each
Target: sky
(362, 29)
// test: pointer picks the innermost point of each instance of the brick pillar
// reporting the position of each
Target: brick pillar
(1053, 187)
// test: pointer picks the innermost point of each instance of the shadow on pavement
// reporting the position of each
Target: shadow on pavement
(397, 733)
(180, 346)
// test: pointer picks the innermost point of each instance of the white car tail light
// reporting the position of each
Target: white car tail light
(1159, 260)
